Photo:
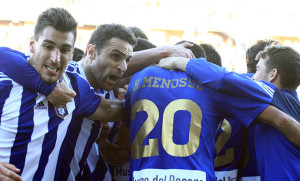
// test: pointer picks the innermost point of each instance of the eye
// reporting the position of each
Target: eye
(65, 50)
(48, 47)
(116, 56)
(128, 60)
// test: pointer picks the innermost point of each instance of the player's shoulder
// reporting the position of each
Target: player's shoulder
(155, 70)
(6, 52)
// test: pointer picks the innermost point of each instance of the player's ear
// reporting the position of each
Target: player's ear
(273, 75)
(31, 45)
(91, 51)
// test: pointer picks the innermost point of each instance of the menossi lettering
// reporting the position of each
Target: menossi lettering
(157, 82)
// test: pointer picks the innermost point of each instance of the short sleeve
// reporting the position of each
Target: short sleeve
(87, 100)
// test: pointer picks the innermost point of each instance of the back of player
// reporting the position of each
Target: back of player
(173, 125)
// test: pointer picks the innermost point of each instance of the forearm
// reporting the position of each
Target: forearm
(287, 125)
(108, 111)
(145, 58)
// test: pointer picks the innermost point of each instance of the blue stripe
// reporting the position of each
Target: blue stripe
(114, 130)
(98, 174)
(67, 152)
(24, 132)
(91, 140)
(49, 142)
(5, 89)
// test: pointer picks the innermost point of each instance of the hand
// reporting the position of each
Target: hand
(122, 92)
(113, 154)
(9, 172)
(172, 63)
(61, 95)
(180, 50)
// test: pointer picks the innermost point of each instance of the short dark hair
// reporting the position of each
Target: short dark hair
(143, 44)
(212, 55)
(103, 33)
(287, 62)
(138, 33)
(252, 52)
(78, 54)
(197, 50)
(58, 18)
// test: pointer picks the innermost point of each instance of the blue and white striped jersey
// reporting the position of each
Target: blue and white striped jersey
(82, 152)
(32, 130)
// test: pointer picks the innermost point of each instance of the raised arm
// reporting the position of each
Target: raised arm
(145, 58)
(217, 78)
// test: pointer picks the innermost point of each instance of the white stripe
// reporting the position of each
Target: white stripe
(93, 157)
(61, 133)
(3, 79)
(9, 122)
(41, 120)
(226, 175)
(254, 178)
(265, 87)
(80, 147)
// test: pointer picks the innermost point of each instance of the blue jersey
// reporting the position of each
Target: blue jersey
(232, 146)
(32, 130)
(173, 123)
(248, 168)
(229, 147)
(277, 158)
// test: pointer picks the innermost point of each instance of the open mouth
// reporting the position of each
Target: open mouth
(52, 69)
(114, 78)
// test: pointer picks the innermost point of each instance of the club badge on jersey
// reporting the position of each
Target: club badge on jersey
(61, 111)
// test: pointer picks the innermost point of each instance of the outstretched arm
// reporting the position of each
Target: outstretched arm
(232, 83)
(145, 58)
(108, 110)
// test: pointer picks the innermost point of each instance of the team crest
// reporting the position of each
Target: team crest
(61, 111)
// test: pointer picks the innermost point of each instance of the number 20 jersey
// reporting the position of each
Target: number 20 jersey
(173, 123)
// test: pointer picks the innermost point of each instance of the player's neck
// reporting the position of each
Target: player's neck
(88, 73)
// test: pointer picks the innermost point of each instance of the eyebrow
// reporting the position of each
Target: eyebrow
(53, 43)
(116, 50)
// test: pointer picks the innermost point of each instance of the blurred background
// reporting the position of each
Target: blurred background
(230, 25)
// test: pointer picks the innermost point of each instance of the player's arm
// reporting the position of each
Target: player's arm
(288, 126)
(108, 110)
(217, 78)
(145, 58)
(232, 83)
(9, 172)
(15, 65)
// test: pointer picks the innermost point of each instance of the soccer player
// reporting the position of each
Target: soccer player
(277, 150)
(32, 130)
